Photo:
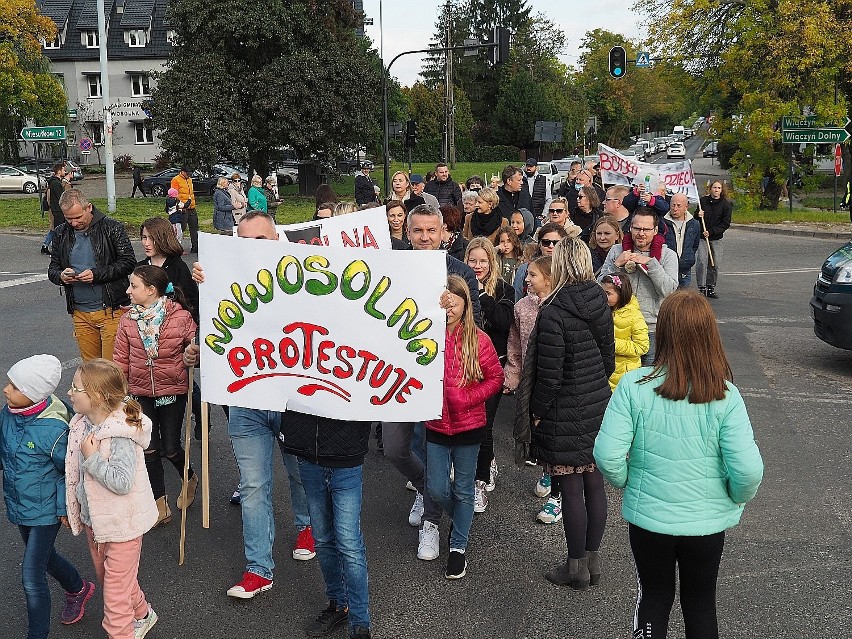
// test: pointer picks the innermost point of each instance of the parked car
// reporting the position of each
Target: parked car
(629, 153)
(831, 304)
(551, 171)
(287, 175)
(159, 183)
(227, 170)
(711, 150)
(16, 180)
(72, 170)
(676, 150)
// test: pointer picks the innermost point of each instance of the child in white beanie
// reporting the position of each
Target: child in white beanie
(33, 443)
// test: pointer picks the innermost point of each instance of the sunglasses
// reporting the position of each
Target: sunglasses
(555, 210)
(548, 243)
(74, 389)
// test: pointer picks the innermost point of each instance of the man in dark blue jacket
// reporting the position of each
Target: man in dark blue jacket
(683, 233)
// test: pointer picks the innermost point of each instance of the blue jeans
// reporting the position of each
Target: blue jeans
(254, 434)
(46, 242)
(334, 499)
(455, 498)
(418, 442)
(40, 557)
(648, 358)
(685, 279)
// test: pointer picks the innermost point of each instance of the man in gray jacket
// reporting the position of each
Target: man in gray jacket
(653, 275)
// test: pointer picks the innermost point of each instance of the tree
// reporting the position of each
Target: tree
(242, 85)
(757, 62)
(28, 91)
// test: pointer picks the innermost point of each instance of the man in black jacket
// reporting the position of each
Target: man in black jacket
(443, 187)
(512, 195)
(539, 189)
(137, 181)
(92, 258)
(56, 185)
(365, 187)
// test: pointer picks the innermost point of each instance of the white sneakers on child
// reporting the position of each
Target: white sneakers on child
(429, 541)
(480, 496)
(492, 477)
(142, 626)
(416, 514)
(543, 486)
(551, 512)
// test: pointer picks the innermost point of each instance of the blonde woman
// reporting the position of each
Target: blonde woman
(342, 208)
(256, 196)
(223, 208)
(497, 302)
(401, 191)
(238, 199)
(486, 220)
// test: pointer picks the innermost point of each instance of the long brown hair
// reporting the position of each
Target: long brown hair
(162, 234)
(106, 386)
(485, 244)
(469, 355)
(689, 351)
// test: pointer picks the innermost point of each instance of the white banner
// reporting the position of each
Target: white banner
(323, 330)
(677, 177)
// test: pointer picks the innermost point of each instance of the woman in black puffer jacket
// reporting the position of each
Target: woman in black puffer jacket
(574, 356)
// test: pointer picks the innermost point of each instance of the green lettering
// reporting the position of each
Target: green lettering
(231, 314)
(215, 341)
(428, 350)
(356, 268)
(375, 296)
(281, 273)
(264, 278)
(408, 308)
(319, 264)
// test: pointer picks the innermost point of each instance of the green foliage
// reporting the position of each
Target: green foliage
(466, 151)
(241, 84)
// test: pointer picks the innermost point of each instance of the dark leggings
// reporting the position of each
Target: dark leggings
(697, 560)
(166, 424)
(584, 518)
(486, 448)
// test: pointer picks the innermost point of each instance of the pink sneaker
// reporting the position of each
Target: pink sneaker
(75, 603)
(250, 586)
(304, 550)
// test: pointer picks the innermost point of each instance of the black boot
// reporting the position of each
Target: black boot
(594, 567)
(711, 292)
(702, 290)
(574, 573)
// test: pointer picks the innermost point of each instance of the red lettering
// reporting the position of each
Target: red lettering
(238, 359)
(307, 330)
(323, 357)
(406, 390)
(288, 351)
(606, 161)
(344, 352)
(263, 350)
(400, 375)
(368, 240)
(347, 241)
(368, 357)
(379, 376)
(325, 239)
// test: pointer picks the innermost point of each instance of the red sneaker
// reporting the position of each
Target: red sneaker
(304, 547)
(250, 586)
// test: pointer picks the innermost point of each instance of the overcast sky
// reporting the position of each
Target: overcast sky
(410, 24)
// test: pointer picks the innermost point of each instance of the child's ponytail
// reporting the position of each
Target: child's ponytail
(106, 386)
(133, 412)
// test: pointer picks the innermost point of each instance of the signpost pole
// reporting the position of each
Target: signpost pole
(790, 188)
(108, 155)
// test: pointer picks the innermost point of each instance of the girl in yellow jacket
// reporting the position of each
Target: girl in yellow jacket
(631, 331)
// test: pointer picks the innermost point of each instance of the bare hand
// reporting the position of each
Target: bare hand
(706, 234)
(508, 390)
(622, 259)
(191, 355)
(88, 446)
(68, 276)
(445, 301)
(641, 259)
(87, 277)
(64, 522)
(197, 273)
(536, 422)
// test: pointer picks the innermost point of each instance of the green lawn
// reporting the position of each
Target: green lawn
(783, 214)
(822, 202)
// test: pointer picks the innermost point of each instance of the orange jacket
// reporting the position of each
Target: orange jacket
(184, 189)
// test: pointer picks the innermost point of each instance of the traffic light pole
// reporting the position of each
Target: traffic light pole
(385, 74)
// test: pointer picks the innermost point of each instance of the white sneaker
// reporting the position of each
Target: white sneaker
(429, 542)
(411, 487)
(480, 497)
(492, 476)
(142, 626)
(415, 516)
(551, 512)
(543, 486)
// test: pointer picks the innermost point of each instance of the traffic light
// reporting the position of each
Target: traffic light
(617, 62)
(410, 134)
(500, 52)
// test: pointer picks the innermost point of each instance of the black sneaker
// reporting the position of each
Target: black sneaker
(360, 632)
(711, 293)
(327, 621)
(456, 565)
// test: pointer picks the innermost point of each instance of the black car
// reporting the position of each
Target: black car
(831, 305)
(159, 184)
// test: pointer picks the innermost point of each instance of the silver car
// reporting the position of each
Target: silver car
(12, 179)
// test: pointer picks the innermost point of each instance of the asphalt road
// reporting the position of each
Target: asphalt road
(785, 572)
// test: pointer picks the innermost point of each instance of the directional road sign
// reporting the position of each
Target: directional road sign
(798, 122)
(814, 136)
(643, 59)
(43, 133)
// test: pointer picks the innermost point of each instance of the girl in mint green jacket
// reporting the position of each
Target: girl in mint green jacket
(678, 439)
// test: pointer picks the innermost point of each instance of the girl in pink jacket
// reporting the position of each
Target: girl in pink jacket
(472, 374)
(107, 491)
(149, 346)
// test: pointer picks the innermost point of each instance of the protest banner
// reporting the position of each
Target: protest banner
(324, 330)
(677, 177)
(361, 229)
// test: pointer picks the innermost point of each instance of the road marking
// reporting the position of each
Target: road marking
(796, 397)
(790, 270)
(72, 363)
(24, 280)
(21, 273)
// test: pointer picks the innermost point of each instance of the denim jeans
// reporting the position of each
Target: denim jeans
(334, 499)
(48, 239)
(685, 279)
(455, 498)
(648, 358)
(40, 558)
(254, 435)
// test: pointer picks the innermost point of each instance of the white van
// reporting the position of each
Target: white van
(678, 132)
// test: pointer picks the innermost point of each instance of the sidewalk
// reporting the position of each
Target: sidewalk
(822, 230)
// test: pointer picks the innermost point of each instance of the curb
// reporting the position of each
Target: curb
(782, 230)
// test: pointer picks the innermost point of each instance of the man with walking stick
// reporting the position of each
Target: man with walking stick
(714, 211)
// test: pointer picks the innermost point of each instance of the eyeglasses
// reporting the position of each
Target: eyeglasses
(555, 210)
(636, 229)
(74, 389)
(548, 243)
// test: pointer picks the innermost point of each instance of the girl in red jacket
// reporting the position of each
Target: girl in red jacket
(149, 347)
(472, 374)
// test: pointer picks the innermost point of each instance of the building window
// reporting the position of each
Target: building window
(144, 133)
(94, 81)
(139, 86)
(90, 39)
(136, 38)
(171, 36)
(52, 44)
(97, 129)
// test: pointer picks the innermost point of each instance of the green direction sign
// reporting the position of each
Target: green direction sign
(43, 133)
(798, 121)
(815, 136)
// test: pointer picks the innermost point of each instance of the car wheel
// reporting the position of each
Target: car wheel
(30, 187)
(158, 190)
(286, 180)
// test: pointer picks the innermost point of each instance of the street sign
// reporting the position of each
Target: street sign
(85, 145)
(838, 160)
(547, 131)
(814, 136)
(43, 133)
(643, 59)
(798, 122)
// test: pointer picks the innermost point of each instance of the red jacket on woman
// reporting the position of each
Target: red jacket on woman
(168, 374)
(464, 406)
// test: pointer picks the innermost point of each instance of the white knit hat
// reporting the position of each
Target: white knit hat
(37, 376)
